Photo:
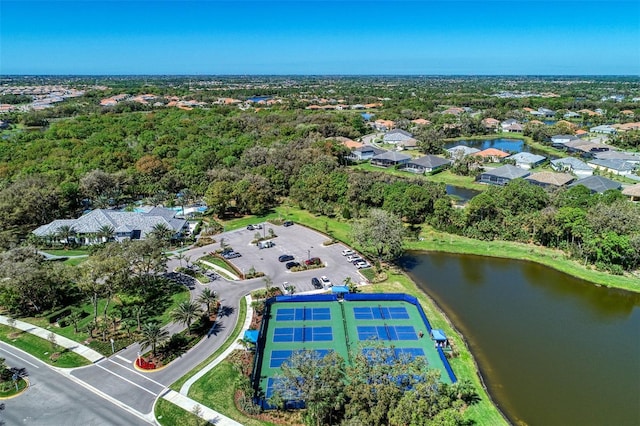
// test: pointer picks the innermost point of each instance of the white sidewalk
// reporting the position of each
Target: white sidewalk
(72, 345)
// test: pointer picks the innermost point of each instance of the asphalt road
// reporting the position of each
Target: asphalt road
(116, 379)
(54, 399)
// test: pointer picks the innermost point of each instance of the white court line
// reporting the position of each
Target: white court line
(139, 374)
(124, 359)
(127, 380)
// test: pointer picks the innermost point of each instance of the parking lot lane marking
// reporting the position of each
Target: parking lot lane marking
(138, 373)
(127, 380)
(124, 359)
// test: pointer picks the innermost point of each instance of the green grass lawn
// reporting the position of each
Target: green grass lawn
(75, 261)
(168, 414)
(8, 388)
(104, 348)
(219, 263)
(41, 348)
(70, 252)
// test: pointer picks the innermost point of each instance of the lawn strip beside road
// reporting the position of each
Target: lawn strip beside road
(41, 348)
(169, 414)
(433, 240)
(482, 413)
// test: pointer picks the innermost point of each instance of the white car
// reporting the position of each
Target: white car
(353, 257)
(325, 281)
(348, 252)
(362, 264)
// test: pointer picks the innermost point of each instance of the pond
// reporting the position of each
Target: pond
(552, 349)
(503, 144)
(462, 195)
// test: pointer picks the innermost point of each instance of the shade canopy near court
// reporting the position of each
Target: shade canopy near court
(346, 323)
(438, 335)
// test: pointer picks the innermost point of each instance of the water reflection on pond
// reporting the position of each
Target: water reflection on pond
(553, 350)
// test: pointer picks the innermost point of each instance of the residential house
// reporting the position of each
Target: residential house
(550, 179)
(397, 136)
(383, 125)
(461, 151)
(349, 143)
(571, 114)
(572, 165)
(509, 122)
(527, 160)
(604, 129)
(364, 153)
(617, 167)
(585, 148)
(492, 155)
(633, 192)
(558, 141)
(597, 184)
(546, 112)
(126, 225)
(632, 157)
(491, 123)
(503, 175)
(421, 122)
(453, 111)
(426, 164)
(628, 126)
(408, 144)
(581, 133)
(390, 158)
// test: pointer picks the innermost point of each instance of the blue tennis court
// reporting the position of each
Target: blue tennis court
(387, 332)
(279, 357)
(273, 384)
(303, 314)
(380, 312)
(302, 334)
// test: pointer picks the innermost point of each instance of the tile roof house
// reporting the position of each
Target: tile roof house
(572, 165)
(502, 175)
(397, 136)
(633, 192)
(462, 151)
(527, 160)
(365, 152)
(597, 184)
(605, 128)
(384, 124)
(492, 154)
(426, 164)
(390, 158)
(618, 167)
(550, 179)
(490, 123)
(421, 122)
(127, 225)
(585, 147)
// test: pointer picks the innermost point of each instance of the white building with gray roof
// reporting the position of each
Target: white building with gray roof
(126, 225)
(572, 165)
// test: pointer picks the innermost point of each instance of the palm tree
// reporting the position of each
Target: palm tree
(186, 312)
(208, 297)
(153, 335)
(162, 232)
(106, 233)
(65, 232)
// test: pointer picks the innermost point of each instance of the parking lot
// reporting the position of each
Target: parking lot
(300, 242)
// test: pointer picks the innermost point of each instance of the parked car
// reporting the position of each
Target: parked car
(231, 255)
(287, 223)
(316, 283)
(254, 227)
(290, 265)
(326, 282)
(287, 288)
(360, 264)
(348, 252)
(313, 261)
(285, 258)
(352, 257)
(266, 244)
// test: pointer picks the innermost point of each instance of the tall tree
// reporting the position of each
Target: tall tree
(152, 336)
(185, 313)
(208, 298)
(380, 231)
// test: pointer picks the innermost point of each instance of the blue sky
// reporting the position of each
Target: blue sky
(320, 37)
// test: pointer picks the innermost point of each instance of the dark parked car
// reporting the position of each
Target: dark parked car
(285, 258)
(313, 261)
(287, 223)
(316, 283)
(290, 265)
